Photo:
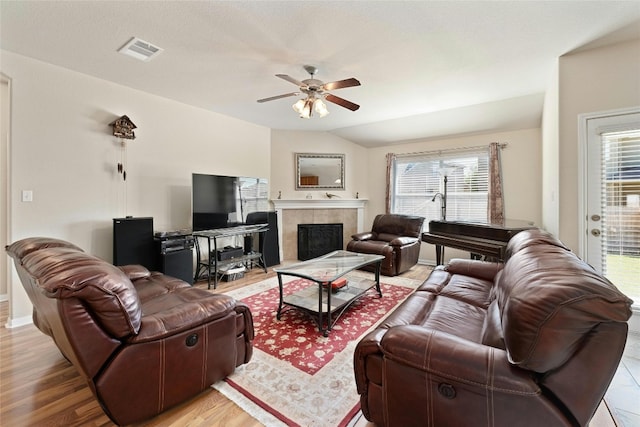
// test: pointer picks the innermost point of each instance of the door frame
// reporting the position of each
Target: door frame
(6, 183)
(583, 135)
(583, 152)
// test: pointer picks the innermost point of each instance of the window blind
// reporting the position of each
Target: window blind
(620, 203)
(417, 178)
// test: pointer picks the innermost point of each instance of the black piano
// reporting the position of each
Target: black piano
(480, 239)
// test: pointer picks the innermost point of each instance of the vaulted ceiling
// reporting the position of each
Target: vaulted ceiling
(427, 68)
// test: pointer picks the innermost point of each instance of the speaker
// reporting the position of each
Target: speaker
(269, 240)
(178, 264)
(133, 242)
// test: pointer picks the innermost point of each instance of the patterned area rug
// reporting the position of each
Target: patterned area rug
(297, 376)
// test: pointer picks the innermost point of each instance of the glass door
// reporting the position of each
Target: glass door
(613, 200)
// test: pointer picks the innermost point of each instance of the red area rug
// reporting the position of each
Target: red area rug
(297, 376)
(295, 338)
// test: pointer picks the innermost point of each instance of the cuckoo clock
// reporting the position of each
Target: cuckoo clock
(123, 128)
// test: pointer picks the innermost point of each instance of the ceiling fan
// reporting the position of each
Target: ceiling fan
(316, 90)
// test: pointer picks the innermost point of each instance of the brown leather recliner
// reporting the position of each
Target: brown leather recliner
(533, 342)
(143, 341)
(397, 237)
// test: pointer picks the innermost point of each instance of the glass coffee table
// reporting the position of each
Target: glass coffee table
(318, 300)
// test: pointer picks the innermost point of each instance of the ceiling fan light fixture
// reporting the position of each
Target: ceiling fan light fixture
(299, 106)
(321, 108)
(307, 109)
(304, 107)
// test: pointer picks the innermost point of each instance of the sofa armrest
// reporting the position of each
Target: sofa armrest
(403, 241)
(247, 318)
(456, 359)
(369, 345)
(244, 332)
(474, 268)
(135, 271)
(367, 235)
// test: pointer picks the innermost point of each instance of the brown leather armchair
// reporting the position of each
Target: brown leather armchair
(143, 341)
(397, 237)
(532, 342)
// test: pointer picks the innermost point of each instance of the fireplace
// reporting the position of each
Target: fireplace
(315, 240)
(291, 212)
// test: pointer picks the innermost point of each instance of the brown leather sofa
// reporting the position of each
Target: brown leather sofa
(397, 237)
(142, 340)
(532, 342)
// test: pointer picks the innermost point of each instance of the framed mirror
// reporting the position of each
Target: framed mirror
(319, 171)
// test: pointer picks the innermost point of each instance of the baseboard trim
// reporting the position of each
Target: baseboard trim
(427, 262)
(18, 321)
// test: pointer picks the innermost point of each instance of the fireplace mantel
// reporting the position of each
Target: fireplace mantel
(281, 205)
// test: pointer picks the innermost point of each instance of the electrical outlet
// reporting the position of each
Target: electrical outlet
(27, 195)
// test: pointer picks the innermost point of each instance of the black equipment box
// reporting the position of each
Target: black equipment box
(174, 251)
(167, 243)
(229, 252)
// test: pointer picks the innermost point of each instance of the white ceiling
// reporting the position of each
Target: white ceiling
(427, 68)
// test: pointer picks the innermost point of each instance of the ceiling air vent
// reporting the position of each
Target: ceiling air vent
(140, 49)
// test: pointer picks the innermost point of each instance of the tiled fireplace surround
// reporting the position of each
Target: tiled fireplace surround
(349, 212)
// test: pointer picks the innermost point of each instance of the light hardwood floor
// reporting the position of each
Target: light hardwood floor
(38, 387)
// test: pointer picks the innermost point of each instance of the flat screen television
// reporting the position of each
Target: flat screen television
(219, 201)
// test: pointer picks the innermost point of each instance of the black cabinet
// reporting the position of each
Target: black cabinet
(133, 242)
(174, 250)
(269, 240)
(178, 264)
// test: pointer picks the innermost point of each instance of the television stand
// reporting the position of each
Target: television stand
(208, 262)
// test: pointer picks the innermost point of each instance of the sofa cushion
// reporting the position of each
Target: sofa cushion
(548, 300)
(64, 272)
(492, 327)
(402, 241)
(390, 226)
(454, 304)
(386, 237)
(156, 284)
(179, 310)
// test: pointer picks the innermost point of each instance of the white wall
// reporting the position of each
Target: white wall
(284, 145)
(64, 151)
(550, 157)
(600, 79)
(521, 167)
(4, 179)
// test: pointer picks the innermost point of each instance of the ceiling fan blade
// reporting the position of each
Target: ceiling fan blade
(341, 83)
(291, 79)
(342, 102)
(271, 98)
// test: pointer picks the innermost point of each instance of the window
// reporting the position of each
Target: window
(417, 179)
(620, 198)
(254, 195)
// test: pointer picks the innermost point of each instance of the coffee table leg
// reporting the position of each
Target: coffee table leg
(378, 266)
(321, 328)
(329, 290)
(281, 296)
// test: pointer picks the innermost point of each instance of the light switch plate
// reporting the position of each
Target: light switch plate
(27, 195)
